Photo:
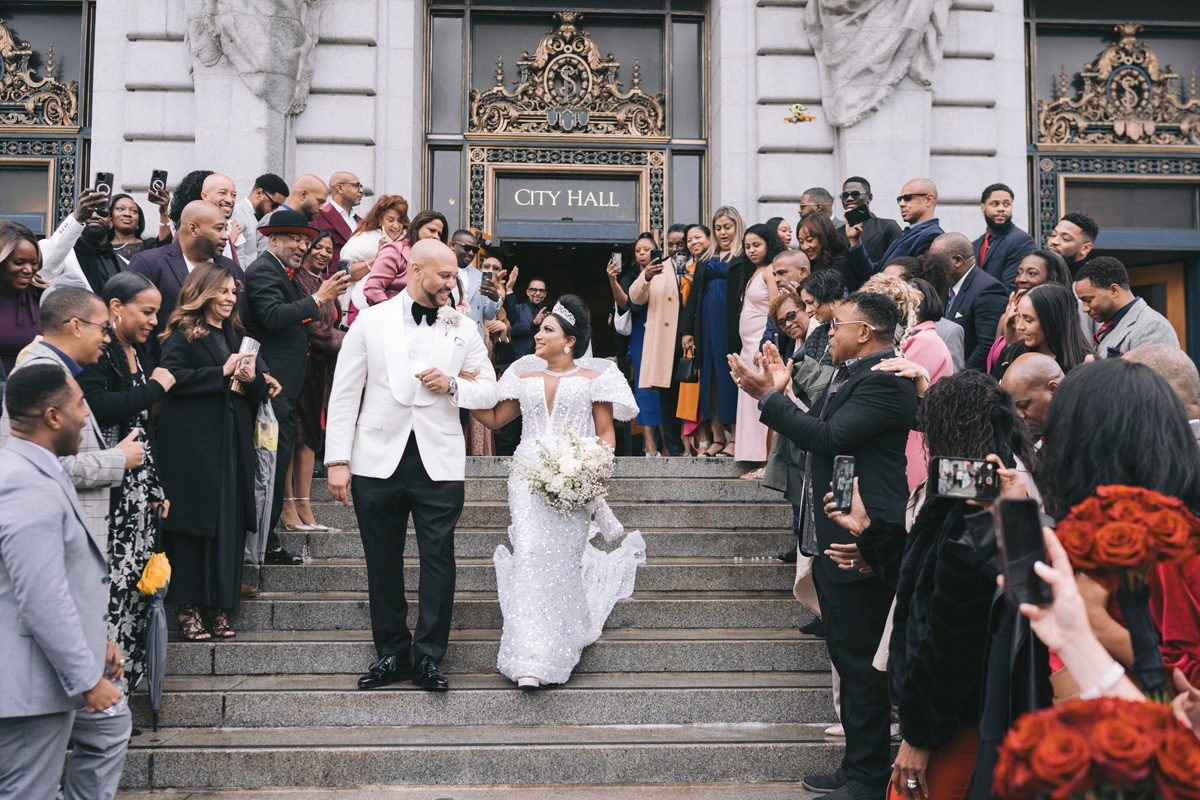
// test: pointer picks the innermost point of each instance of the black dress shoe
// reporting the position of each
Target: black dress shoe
(427, 676)
(281, 556)
(387, 670)
(824, 784)
(857, 790)
(814, 628)
(789, 557)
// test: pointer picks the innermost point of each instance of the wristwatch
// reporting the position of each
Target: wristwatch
(453, 387)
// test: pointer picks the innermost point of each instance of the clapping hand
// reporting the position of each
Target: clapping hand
(756, 383)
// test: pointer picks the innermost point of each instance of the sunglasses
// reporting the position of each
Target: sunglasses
(105, 326)
(854, 195)
(466, 248)
(788, 317)
(907, 198)
(537, 291)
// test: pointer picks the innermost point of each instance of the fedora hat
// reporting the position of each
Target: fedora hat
(285, 220)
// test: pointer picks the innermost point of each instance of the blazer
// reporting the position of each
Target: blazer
(94, 470)
(913, 241)
(1006, 248)
(869, 417)
(661, 347)
(1141, 326)
(328, 219)
(279, 315)
(877, 236)
(53, 588)
(977, 308)
(167, 269)
(953, 335)
(374, 406)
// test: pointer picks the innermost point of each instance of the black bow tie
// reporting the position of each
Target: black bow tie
(420, 312)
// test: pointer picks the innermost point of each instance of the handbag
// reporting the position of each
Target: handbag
(687, 371)
(623, 320)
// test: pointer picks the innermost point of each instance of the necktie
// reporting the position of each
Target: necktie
(983, 250)
(949, 300)
(291, 272)
(421, 313)
(1100, 334)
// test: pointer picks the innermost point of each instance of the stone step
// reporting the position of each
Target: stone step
(250, 758)
(307, 611)
(598, 699)
(479, 575)
(474, 651)
(624, 490)
(699, 515)
(626, 467)
(475, 543)
(775, 790)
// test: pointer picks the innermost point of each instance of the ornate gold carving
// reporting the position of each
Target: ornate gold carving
(1127, 99)
(26, 99)
(566, 86)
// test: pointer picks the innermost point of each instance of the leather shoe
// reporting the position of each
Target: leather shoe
(789, 557)
(857, 790)
(387, 670)
(824, 784)
(815, 627)
(427, 676)
(281, 556)
(250, 592)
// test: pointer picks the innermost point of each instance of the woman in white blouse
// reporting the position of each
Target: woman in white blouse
(387, 221)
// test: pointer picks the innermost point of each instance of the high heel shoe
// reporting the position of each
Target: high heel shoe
(314, 526)
(300, 527)
(528, 682)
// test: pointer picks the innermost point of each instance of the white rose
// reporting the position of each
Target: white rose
(557, 484)
(569, 466)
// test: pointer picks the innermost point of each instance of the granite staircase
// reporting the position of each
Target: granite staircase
(700, 687)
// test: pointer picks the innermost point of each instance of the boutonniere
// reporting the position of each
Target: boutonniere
(448, 316)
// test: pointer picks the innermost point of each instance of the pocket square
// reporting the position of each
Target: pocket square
(957, 314)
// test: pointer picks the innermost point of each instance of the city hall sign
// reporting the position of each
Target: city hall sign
(567, 87)
(567, 198)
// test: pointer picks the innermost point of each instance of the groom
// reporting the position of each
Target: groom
(393, 440)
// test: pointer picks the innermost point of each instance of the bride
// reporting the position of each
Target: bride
(556, 588)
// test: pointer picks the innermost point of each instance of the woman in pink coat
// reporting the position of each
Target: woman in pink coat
(389, 273)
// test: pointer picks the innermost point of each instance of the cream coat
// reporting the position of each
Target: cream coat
(662, 327)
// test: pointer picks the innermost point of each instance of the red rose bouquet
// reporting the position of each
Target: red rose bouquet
(1105, 748)
(1117, 536)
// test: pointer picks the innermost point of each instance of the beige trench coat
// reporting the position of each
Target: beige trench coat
(662, 327)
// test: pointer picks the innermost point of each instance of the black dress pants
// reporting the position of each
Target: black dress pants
(855, 614)
(382, 506)
(672, 426)
(285, 416)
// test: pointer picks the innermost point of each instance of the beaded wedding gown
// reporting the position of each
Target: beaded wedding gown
(556, 587)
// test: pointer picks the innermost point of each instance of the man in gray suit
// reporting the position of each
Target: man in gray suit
(75, 330)
(1126, 321)
(53, 586)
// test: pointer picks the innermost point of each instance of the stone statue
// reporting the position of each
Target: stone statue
(864, 48)
(271, 45)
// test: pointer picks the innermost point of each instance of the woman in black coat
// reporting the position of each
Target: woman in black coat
(944, 586)
(206, 451)
(121, 391)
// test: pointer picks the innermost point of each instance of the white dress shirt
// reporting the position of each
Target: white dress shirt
(418, 337)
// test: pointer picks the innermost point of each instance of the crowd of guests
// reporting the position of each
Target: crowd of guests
(144, 363)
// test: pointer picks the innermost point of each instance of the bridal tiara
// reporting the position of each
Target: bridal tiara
(560, 310)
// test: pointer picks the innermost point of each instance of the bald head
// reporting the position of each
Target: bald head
(219, 190)
(1179, 370)
(918, 200)
(957, 248)
(432, 273)
(345, 189)
(202, 231)
(1031, 380)
(309, 194)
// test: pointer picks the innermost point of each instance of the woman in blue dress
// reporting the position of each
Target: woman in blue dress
(649, 413)
(712, 325)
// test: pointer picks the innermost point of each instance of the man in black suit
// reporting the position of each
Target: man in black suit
(279, 314)
(976, 300)
(867, 415)
(877, 233)
(1000, 250)
(202, 236)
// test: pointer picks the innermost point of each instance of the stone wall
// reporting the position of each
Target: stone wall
(967, 133)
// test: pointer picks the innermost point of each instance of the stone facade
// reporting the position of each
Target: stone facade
(364, 111)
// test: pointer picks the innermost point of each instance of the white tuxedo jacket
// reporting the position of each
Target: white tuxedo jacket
(375, 405)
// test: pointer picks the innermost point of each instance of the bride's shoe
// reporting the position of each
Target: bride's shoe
(528, 683)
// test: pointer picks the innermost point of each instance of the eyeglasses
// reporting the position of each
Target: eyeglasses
(835, 324)
(537, 291)
(789, 317)
(355, 185)
(854, 195)
(105, 326)
(907, 198)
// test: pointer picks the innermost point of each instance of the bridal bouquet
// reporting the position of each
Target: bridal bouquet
(569, 471)
(1117, 536)
(1104, 749)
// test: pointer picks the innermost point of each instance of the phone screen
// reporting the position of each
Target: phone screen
(858, 214)
(1020, 543)
(963, 478)
(843, 483)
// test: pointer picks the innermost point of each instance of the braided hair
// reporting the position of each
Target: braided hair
(969, 415)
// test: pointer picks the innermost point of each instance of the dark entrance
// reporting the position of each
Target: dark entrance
(573, 268)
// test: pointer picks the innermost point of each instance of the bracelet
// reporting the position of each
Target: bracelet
(1107, 682)
(316, 300)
